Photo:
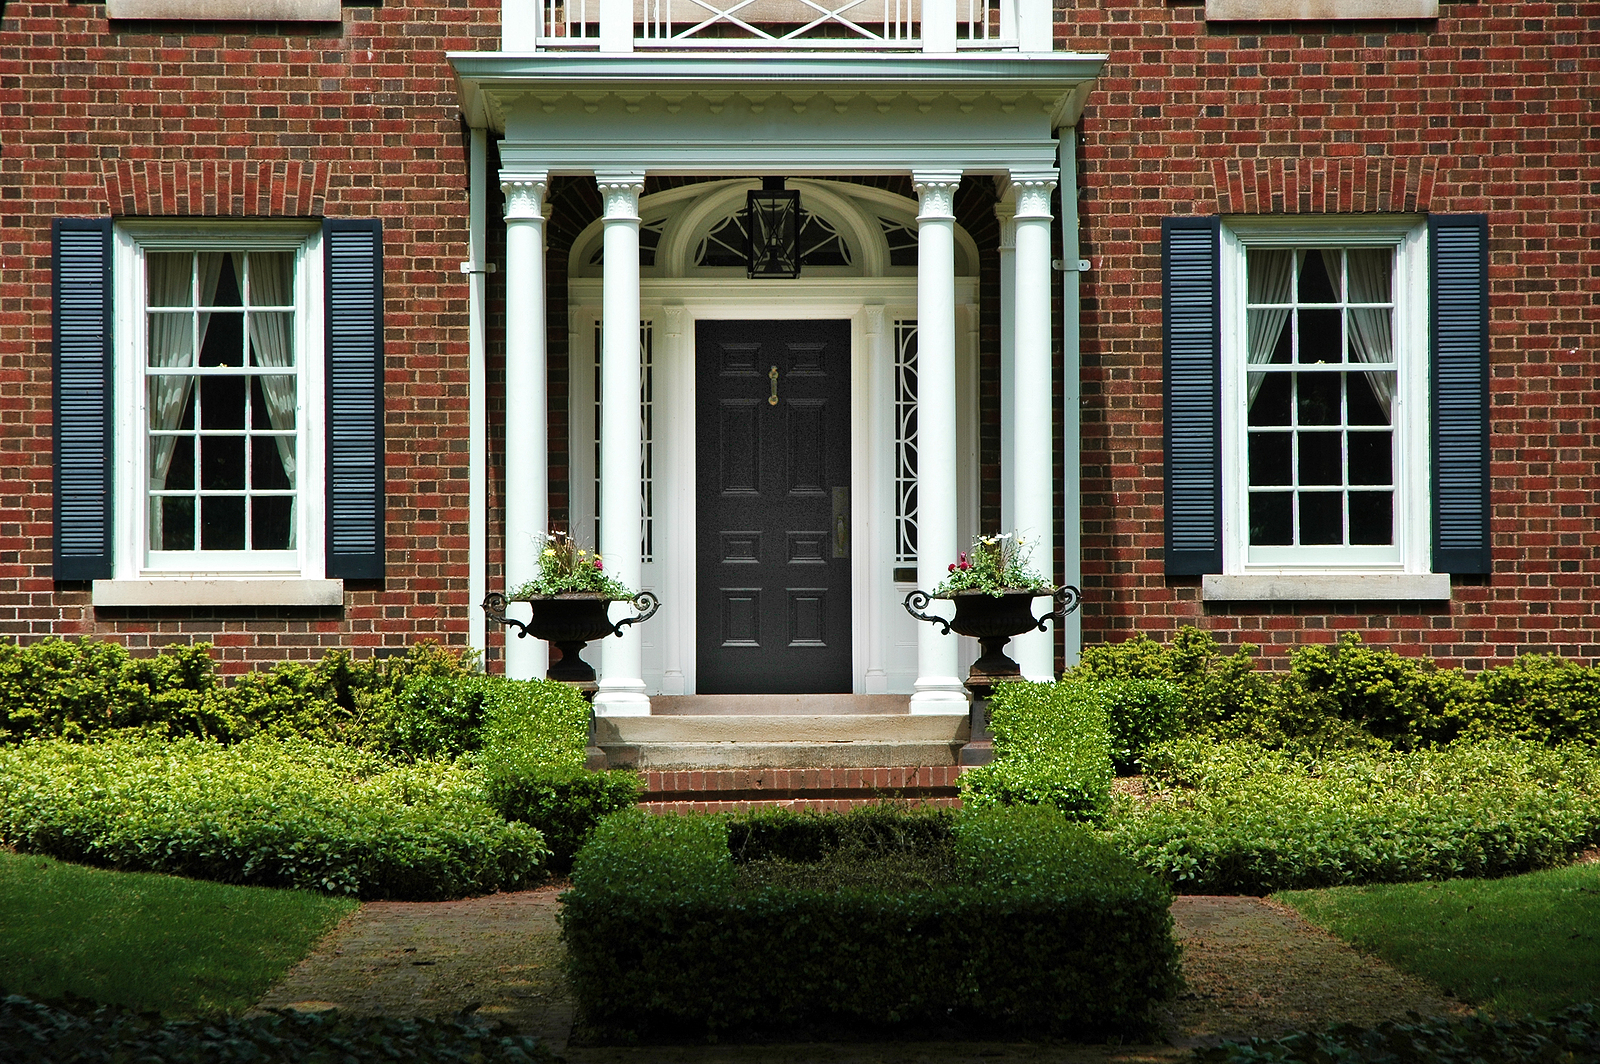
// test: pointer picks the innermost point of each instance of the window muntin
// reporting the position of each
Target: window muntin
(1324, 353)
(222, 395)
(1320, 450)
(218, 373)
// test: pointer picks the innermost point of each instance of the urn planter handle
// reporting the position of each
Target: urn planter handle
(644, 601)
(920, 600)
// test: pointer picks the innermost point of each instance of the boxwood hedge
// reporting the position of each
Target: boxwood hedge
(264, 811)
(1052, 747)
(1038, 927)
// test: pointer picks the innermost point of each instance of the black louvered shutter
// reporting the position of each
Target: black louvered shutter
(1459, 326)
(1191, 333)
(354, 251)
(81, 362)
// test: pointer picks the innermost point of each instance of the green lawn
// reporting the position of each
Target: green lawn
(156, 942)
(1526, 944)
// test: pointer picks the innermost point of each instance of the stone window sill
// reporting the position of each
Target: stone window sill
(1319, 10)
(1356, 587)
(227, 10)
(218, 591)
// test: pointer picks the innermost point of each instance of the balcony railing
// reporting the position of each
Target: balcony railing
(894, 25)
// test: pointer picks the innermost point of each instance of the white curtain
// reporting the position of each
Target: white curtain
(173, 340)
(272, 344)
(1371, 334)
(1271, 280)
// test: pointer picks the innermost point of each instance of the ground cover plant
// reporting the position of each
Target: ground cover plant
(1239, 818)
(73, 1032)
(1571, 1037)
(150, 942)
(265, 812)
(1031, 924)
(1523, 945)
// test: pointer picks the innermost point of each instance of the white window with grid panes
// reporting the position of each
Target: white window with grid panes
(219, 375)
(1324, 390)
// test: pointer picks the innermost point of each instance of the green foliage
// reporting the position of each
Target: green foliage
(36, 1032)
(438, 717)
(563, 804)
(1036, 926)
(57, 687)
(1238, 818)
(155, 943)
(1525, 944)
(1348, 695)
(1139, 714)
(77, 689)
(1574, 1036)
(565, 566)
(995, 564)
(533, 724)
(1052, 747)
(267, 812)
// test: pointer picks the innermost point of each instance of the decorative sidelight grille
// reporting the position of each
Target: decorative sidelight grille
(647, 445)
(905, 442)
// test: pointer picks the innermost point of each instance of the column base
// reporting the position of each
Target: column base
(942, 695)
(621, 701)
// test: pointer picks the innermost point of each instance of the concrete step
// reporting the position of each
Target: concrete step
(824, 789)
(787, 741)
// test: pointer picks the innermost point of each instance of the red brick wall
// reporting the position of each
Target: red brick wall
(1488, 109)
(356, 120)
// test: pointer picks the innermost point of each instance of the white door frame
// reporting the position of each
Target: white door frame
(673, 306)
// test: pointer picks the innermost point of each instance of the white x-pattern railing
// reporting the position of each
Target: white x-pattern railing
(875, 24)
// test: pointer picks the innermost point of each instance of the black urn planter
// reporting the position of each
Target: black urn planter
(993, 620)
(568, 621)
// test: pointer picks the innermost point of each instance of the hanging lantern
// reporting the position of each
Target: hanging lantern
(772, 230)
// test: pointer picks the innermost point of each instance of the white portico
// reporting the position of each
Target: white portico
(816, 94)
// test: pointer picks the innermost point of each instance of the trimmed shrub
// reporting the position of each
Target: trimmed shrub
(563, 804)
(37, 1032)
(75, 688)
(1038, 926)
(267, 812)
(1139, 714)
(1571, 1035)
(1236, 818)
(531, 724)
(438, 717)
(1051, 747)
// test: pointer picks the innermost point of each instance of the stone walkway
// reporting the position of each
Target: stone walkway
(1252, 968)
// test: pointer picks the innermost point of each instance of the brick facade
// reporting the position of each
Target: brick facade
(258, 120)
(1488, 109)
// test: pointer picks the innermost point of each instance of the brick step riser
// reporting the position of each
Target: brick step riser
(797, 788)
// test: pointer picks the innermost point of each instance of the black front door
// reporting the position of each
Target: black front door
(772, 417)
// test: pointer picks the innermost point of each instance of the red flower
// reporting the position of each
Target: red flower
(952, 567)
(597, 564)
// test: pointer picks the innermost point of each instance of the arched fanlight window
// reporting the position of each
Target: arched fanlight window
(902, 241)
(820, 243)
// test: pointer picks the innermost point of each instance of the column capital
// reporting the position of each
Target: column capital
(1005, 212)
(936, 193)
(1033, 188)
(620, 192)
(524, 195)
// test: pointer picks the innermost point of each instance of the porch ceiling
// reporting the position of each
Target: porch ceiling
(765, 113)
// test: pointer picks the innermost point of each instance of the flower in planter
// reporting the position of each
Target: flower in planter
(996, 564)
(566, 567)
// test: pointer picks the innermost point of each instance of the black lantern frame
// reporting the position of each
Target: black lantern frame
(772, 231)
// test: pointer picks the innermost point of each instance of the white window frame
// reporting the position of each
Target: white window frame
(1407, 235)
(134, 561)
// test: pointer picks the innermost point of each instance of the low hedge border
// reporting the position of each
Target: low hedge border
(1571, 1035)
(1052, 746)
(1045, 929)
(82, 1034)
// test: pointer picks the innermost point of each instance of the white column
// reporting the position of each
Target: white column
(527, 490)
(621, 513)
(616, 25)
(939, 30)
(1031, 429)
(938, 689)
(1005, 213)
